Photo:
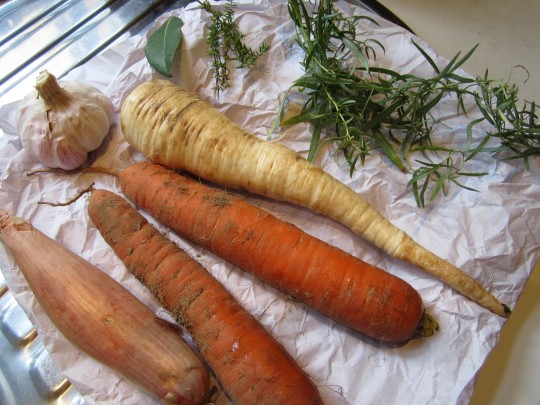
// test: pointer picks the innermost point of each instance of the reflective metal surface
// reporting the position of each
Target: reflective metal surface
(28, 374)
(60, 35)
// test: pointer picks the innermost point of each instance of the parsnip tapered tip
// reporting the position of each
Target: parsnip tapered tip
(499, 308)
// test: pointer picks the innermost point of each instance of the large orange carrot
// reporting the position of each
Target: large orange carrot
(333, 282)
(173, 127)
(104, 319)
(252, 367)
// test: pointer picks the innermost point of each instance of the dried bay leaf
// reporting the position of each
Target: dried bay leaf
(163, 44)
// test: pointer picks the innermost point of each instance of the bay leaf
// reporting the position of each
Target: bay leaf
(163, 44)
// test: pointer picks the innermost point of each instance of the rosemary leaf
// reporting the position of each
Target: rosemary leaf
(363, 107)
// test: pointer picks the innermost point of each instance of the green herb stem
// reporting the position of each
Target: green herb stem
(365, 108)
(225, 41)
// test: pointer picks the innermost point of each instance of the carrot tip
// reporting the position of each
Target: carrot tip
(507, 310)
(428, 326)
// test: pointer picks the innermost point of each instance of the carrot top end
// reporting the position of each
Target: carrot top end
(427, 327)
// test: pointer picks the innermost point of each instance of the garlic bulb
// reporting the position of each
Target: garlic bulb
(61, 122)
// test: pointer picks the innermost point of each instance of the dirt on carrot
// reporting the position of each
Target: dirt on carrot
(252, 366)
(335, 283)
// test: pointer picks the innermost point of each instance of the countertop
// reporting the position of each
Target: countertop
(507, 34)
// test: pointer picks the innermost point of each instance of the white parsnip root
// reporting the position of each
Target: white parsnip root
(175, 128)
(102, 318)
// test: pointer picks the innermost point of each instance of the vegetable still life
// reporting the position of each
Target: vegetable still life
(312, 210)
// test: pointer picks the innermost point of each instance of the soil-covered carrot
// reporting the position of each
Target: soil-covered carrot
(335, 283)
(252, 367)
(104, 319)
(173, 127)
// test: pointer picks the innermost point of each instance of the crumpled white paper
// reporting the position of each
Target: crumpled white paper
(491, 234)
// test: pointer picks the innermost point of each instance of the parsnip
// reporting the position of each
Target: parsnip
(175, 128)
(102, 318)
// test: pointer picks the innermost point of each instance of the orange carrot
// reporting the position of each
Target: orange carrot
(252, 367)
(333, 282)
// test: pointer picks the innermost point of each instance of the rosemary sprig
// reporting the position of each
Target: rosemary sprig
(363, 108)
(515, 124)
(225, 43)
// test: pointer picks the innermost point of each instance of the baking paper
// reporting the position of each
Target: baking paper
(491, 234)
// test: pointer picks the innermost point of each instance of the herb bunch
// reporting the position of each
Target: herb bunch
(225, 41)
(363, 107)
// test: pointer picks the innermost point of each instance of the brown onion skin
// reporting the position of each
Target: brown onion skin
(102, 318)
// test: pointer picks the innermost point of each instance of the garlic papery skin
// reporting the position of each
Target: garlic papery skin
(62, 121)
